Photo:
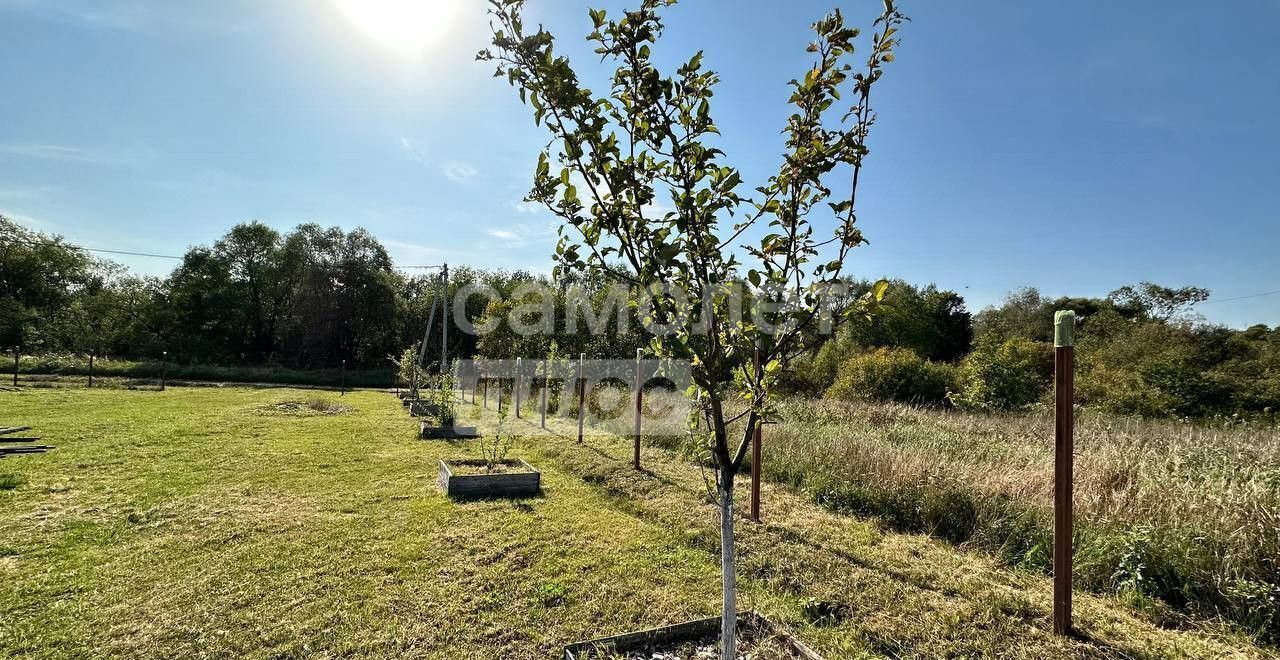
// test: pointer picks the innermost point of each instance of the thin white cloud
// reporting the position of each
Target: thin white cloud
(66, 154)
(415, 248)
(46, 152)
(26, 193)
(162, 19)
(521, 234)
(459, 171)
(505, 235)
(20, 218)
(411, 150)
(527, 207)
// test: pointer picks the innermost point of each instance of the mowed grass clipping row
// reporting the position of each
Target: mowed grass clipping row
(253, 523)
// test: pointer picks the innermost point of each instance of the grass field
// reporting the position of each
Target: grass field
(248, 523)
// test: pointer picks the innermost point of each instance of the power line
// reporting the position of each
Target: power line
(85, 248)
(1252, 295)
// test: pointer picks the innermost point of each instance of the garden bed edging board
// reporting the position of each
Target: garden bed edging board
(525, 483)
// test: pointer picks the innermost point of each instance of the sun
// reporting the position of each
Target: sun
(408, 26)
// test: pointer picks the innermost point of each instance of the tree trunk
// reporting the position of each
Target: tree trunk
(728, 571)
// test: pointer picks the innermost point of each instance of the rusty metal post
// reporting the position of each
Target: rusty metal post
(755, 454)
(1064, 440)
(639, 409)
(582, 394)
(546, 382)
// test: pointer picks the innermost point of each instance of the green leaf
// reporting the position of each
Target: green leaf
(878, 290)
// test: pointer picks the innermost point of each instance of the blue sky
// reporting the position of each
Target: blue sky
(1072, 146)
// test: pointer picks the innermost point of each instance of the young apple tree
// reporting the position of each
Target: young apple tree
(617, 161)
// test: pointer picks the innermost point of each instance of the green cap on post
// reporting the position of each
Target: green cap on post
(1064, 329)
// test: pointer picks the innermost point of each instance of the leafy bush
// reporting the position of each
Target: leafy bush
(893, 374)
(1009, 375)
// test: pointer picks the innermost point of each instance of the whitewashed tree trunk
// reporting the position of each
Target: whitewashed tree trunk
(729, 573)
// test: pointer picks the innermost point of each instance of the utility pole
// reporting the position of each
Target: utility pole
(444, 318)
(1064, 324)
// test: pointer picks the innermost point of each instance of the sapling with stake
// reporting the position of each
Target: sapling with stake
(443, 396)
(616, 163)
(494, 449)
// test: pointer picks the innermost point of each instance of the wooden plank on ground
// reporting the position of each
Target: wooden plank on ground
(34, 449)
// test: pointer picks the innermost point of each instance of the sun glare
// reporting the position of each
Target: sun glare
(407, 26)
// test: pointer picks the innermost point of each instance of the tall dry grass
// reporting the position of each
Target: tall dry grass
(1183, 519)
(1179, 517)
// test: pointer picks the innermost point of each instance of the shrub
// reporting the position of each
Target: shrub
(893, 374)
(1009, 375)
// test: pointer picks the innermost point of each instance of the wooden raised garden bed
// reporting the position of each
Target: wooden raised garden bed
(658, 640)
(466, 479)
(422, 408)
(447, 432)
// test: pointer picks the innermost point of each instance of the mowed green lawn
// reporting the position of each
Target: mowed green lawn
(211, 523)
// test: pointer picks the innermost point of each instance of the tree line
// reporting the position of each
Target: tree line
(1141, 350)
(312, 297)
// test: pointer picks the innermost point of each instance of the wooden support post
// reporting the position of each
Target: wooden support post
(1064, 441)
(90, 369)
(582, 395)
(755, 454)
(164, 368)
(546, 382)
(639, 409)
(515, 386)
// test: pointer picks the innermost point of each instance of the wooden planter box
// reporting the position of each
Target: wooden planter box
(683, 632)
(447, 432)
(524, 483)
(423, 409)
